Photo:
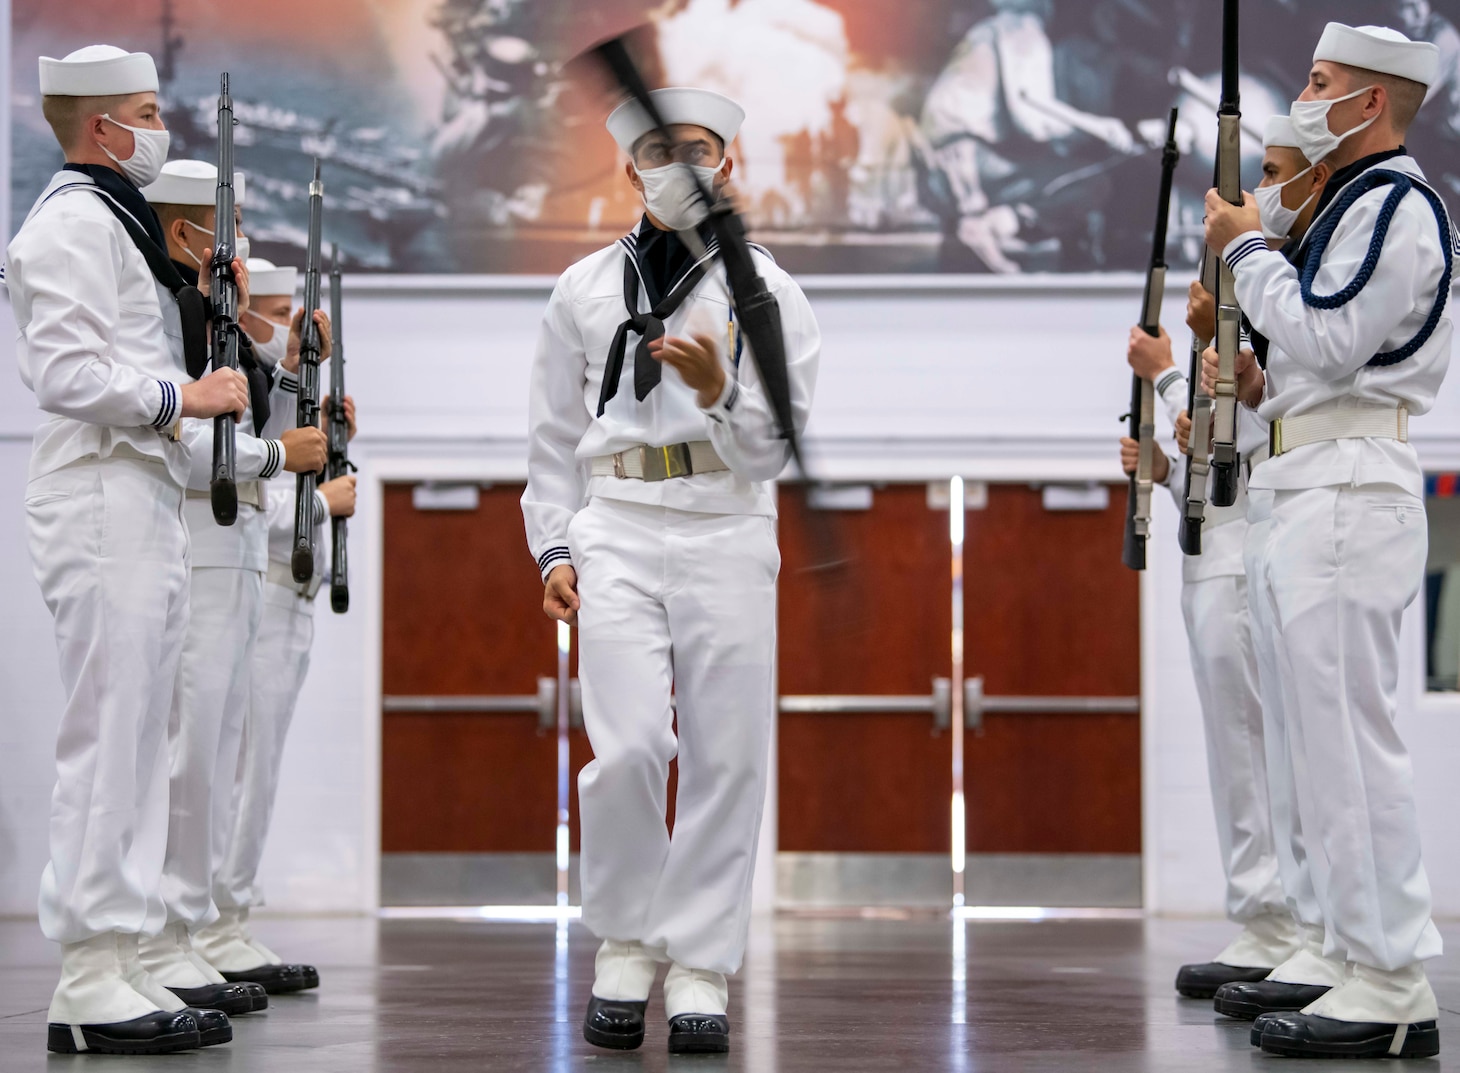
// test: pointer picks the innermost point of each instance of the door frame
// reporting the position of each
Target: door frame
(909, 462)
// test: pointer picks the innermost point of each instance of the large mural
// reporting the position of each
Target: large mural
(884, 136)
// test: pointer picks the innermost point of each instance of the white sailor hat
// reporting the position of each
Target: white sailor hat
(700, 107)
(98, 71)
(190, 182)
(268, 280)
(1379, 49)
(1278, 134)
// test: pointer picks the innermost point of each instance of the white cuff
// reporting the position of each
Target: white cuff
(720, 410)
(553, 558)
(1243, 247)
(321, 508)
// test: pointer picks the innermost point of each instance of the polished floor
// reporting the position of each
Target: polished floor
(819, 995)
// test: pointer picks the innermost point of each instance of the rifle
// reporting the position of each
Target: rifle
(1142, 416)
(760, 316)
(302, 560)
(1199, 407)
(223, 323)
(1229, 316)
(339, 440)
(756, 308)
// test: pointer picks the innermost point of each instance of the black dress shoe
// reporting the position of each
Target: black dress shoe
(699, 1033)
(161, 1032)
(1306, 1035)
(277, 979)
(230, 998)
(1202, 981)
(1248, 1001)
(1263, 1020)
(615, 1024)
(213, 1026)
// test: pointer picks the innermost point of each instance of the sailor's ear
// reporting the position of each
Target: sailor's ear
(633, 174)
(1321, 174)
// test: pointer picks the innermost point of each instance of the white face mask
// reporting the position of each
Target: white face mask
(670, 193)
(241, 246)
(1277, 218)
(272, 352)
(1310, 126)
(148, 155)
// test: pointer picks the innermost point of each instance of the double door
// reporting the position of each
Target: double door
(1050, 745)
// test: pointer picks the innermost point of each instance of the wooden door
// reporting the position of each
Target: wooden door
(463, 615)
(1049, 610)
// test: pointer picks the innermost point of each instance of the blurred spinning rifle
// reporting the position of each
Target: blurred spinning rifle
(301, 561)
(339, 440)
(223, 319)
(755, 307)
(1229, 316)
(1142, 416)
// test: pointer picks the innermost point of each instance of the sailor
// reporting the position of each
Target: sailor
(101, 344)
(1220, 627)
(280, 660)
(1287, 198)
(651, 442)
(1359, 341)
(226, 585)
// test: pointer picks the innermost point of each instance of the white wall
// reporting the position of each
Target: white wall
(1011, 381)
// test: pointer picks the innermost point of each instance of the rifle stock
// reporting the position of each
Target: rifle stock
(1142, 415)
(301, 561)
(1229, 317)
(223, 323)
(1199, 408)
(339, 441)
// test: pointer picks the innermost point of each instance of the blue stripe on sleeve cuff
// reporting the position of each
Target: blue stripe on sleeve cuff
(1256, 244)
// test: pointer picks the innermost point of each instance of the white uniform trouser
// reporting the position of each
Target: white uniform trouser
(280, 661)
(687, 600)
(1225, 667)
(1342, 565)
(110, 550)
(208, 712)
(1292, 858)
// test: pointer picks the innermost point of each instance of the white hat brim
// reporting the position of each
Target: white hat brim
(678, 105)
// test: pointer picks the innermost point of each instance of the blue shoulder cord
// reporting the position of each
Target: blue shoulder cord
(1402, 184)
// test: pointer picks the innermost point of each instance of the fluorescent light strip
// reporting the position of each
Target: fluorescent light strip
(492, 914)
(1035, 913)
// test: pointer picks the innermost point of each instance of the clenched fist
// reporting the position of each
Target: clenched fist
(340, 495)
(305, 450)
(560, 596)
(223, 391)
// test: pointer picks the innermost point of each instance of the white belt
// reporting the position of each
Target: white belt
(250, 492)
(1257, 457)
(660, 463)
(282, 574)
(1376, 422)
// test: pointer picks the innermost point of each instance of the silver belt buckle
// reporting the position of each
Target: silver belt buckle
(663, 463)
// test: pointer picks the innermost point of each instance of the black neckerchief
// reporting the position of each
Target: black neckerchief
(260, 381)
(663, 259)
(1347, 174)
(131, 199)
(679, 275)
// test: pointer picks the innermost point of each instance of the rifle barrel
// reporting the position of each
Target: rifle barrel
(302, 560)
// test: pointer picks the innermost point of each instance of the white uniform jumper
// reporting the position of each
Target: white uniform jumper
(100, 345)
(1346, 553)
(276, 676)
(677, 580)
(1224, 661)
(209, 705)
